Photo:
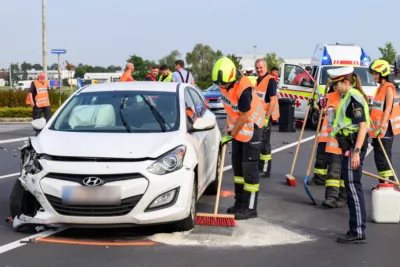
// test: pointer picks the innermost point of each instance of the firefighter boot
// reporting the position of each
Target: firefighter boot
(250, 206)
(330, 202)
(237, 207)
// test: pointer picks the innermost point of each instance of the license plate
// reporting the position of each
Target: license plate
(98, 195)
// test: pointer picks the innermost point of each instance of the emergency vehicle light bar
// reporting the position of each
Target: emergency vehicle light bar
(326, 58)
(365, 61)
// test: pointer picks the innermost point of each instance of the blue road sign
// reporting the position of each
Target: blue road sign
(58, 51)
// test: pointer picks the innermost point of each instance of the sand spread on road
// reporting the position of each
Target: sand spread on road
(250, 233)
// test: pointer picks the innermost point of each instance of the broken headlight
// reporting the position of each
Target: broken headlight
(29, 160)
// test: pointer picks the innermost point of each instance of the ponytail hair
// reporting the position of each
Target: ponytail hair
(354, 79)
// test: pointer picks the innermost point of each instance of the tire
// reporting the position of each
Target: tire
(16, 199)
(188, 223)
(313, 119)
(213, 187)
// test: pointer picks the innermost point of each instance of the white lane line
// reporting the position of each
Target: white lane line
(280, 149)
(369, 150)
(13, 140)
(17, 244)
(9, 175)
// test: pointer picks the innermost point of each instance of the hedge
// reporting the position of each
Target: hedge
(19, 112)
(17, 98)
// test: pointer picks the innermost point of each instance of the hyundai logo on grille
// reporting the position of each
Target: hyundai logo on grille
(92, 181)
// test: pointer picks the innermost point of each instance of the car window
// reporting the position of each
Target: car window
(365, 76)
(101, 112)
(295, 75)
(190, 108)
(198, 101)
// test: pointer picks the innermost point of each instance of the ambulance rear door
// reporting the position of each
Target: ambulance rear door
(295, 82)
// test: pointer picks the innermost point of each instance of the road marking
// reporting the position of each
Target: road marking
(369, 150)
(280, 149)
(13, 140)
(17, 244)
(9, 175)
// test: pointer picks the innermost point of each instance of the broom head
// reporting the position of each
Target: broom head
(210, 219)
(290, 180)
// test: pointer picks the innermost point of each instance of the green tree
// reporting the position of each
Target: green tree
(202, 59)
(388, 52)
(235, 60)
(170, 59)
(217, 55)
(273, 60)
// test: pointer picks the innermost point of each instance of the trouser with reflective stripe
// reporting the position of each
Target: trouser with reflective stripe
(266, 156)
(355, 196)
(380, 160)
(245, 158)
(334, 184)
(320, 165)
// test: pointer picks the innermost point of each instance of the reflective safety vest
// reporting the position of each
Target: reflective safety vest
(344, 124)
(230, 100)
(126, 77)
(332, 146)
(253, 79)
(378, 111)
(261, 89)
(42, 94)
(165, 79)
(151, 77)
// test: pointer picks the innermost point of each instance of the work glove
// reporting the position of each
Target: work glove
(311, 102)
(226, 139)
(377, 132)
(322, 103)
(266, 121)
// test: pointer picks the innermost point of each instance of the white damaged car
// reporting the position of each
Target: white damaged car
(119, 154)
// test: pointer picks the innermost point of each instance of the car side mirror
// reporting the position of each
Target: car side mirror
(38, 124)
(203, 124)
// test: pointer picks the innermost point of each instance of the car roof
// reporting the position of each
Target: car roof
(132, 86)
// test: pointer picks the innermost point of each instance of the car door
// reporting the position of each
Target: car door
(295, 82)
(209, 145)
(197, 139)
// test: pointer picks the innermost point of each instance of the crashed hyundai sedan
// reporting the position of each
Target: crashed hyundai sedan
(119, 154)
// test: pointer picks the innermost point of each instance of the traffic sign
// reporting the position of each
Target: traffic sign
(58, 51)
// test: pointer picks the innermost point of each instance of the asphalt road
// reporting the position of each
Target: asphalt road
(289, 230)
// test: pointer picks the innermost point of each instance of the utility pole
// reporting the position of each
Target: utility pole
(44, 38)
(10, 75)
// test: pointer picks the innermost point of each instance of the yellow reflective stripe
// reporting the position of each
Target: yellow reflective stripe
(321, 171)
(332, 183)
(251, 187)
(386, 173)
(265, 156)
(295, 93)
(341, 183)
(238, 179)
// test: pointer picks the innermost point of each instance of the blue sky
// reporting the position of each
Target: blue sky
(105, 32)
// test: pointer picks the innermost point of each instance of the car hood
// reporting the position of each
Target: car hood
(106, 145)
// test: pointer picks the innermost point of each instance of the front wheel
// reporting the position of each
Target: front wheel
(189, 223)
(313, 118)
(17, 199)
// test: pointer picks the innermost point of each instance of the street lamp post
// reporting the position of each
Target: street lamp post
(44, 38)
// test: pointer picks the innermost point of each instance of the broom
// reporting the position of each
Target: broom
(214, 219)
(321, 112)
(379, 177)
(290, 180)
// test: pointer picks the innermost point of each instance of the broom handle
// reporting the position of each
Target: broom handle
(380, 178)
(384, 152)
(302, 130)
(221, 172)
(315, 140)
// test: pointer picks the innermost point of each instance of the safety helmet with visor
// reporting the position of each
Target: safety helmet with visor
(224, 72)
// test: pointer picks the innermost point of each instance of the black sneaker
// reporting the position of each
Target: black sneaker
(246, 214)
(349, 239)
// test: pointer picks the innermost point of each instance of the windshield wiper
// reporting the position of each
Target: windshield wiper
(121, 114)
(156, 114)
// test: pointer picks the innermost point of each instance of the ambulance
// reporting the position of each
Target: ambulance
(297, 83)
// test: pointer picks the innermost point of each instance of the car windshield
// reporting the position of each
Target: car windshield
(119, 111)
(366, 78)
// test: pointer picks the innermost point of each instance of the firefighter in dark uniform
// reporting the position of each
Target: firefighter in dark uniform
(245, 118)
(350, 128)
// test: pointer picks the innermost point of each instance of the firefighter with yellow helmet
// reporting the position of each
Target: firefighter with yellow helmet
(385, 117)
(245, 119)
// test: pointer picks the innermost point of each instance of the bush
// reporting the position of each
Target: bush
(17, 98)
(19, 112)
